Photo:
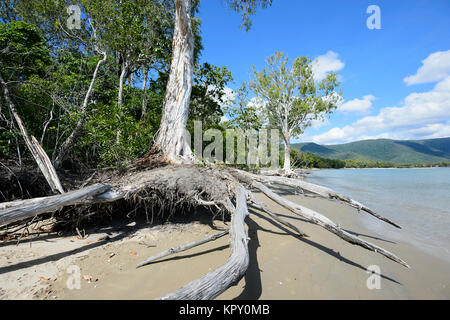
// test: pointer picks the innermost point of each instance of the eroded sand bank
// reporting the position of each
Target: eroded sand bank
(282, 266)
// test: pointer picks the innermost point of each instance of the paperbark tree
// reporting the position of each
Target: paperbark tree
(292, 97)
(171, 138)
(170, 141)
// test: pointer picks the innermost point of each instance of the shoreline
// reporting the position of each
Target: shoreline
(282, 266)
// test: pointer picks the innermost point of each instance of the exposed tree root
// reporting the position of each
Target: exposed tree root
(183, 248)
(260, 205)
(326, 223)
(170, 188)
(220, 279)
(310, 187)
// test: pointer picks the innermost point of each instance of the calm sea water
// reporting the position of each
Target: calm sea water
(417, 199)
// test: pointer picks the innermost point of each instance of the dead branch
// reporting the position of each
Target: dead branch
(260, 205)
(313, 188)
(324, 222)
(183, 248)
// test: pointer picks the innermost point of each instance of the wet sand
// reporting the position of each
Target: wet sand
(282, 265)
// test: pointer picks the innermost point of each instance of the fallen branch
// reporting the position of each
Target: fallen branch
(220, 279)
(36, 150)
(28, 208)
(183, 248)
(326, 223)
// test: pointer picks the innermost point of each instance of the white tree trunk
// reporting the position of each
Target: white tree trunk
(121, 82)
(144, 93)
(36, 150)
(65, 147)
(287, 155)
(171, 138)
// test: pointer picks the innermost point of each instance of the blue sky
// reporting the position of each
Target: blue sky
(396, 80)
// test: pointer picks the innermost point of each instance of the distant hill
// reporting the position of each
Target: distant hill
(395, 151)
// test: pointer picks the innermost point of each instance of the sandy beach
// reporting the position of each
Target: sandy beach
(282, 265)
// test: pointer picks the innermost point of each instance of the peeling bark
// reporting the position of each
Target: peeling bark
(171, 137)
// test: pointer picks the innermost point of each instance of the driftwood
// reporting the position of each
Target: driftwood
(326, 223)
(313, 188)
(46, 167)
(28, 208)
(260, 205)
(183, 248)
(220, 279)
(198, 187)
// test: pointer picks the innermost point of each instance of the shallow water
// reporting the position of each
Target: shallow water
(416, 199)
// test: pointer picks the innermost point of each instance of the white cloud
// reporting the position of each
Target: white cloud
(358, 105)
(422, 115)
(434, 68)
(227, 97)
(316, 124)
(326, 63)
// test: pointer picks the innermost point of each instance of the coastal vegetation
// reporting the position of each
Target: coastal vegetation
(398, 152)
(310, 160)
(121, 87)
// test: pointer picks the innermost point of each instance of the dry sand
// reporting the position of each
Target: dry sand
(282, 266)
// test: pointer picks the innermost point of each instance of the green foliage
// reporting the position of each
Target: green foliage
(247, 8)
(308, 160)
(22, 51)
(242, 113)
(49, 69)
(208, 94)
(292, 97)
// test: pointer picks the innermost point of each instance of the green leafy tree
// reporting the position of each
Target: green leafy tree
(292, 98)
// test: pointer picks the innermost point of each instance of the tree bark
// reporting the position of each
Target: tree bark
(260, 205)
(28, 208)
(183, 248)
(123, 73)
(287, 155)
(37, 152)
(144, 93)
(65, 147)
(171, 137)
(220, 279)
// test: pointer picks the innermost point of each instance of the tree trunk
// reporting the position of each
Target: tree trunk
(144, 93)
(65, 147)
(121, 81)
(171, 138)
(120, 97)
(287, 155)
(217, 281)
(33, 207)
(38, 154)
